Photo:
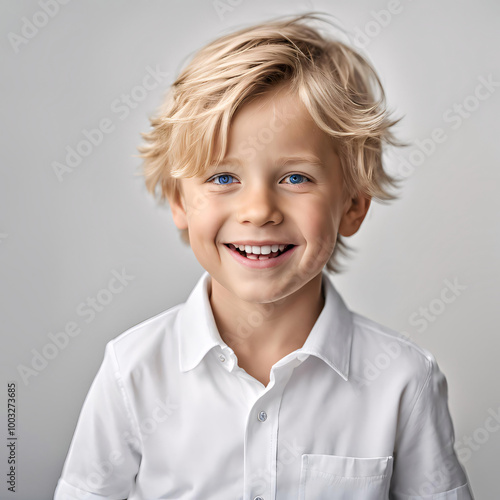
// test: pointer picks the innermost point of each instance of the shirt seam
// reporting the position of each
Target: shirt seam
(430, 497)
(427, 356)
(133, 422)
(396, 336)
(144, 323)
(347, 477)
(417, 397)
(77, 488)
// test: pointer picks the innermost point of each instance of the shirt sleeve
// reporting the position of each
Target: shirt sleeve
(426, 466)
(104, 454)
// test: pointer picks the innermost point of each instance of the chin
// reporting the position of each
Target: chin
(256, 292)
(276, 291)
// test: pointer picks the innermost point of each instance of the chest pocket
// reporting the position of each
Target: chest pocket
(326, 477)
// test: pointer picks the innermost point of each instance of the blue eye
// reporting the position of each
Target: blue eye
(297, 179)
(222, 179)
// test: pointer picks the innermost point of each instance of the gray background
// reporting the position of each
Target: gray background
(61, 240)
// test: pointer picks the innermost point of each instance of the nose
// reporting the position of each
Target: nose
(259, 206)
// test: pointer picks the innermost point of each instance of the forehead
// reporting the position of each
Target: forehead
(273, 124)
(277, 107)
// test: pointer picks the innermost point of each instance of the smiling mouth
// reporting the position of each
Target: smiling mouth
(260, 253)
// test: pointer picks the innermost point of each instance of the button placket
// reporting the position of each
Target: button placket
(261, 446)
(261, 439)
(225, 358)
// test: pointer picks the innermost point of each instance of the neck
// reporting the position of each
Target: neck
(279, 327)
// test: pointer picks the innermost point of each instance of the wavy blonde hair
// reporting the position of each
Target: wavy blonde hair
(339, 87)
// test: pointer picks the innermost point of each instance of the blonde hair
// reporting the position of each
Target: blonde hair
(339, 88)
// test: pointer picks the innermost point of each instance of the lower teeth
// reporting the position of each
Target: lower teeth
(260, 257)
(254, 256)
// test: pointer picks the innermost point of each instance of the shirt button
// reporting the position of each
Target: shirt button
(262, 417)
(222, 358)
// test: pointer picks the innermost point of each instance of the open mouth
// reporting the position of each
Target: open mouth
(263, 252)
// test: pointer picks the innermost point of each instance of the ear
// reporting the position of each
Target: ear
(178, 208)
(354, 213)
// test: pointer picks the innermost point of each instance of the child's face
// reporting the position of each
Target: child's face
(263, 196)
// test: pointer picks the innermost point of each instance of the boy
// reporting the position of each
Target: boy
(268, 149)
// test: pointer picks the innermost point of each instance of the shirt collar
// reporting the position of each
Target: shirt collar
(330, 338)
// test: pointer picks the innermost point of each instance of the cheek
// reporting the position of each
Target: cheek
(204, 224)
(318, 222)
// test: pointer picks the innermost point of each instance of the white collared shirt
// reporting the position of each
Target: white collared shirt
(359, 412)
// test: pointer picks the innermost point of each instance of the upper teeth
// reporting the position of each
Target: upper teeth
(261, 250)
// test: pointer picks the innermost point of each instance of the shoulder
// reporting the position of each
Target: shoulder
(141, 344)
(379, 352)
(388, 366)
(374, 335)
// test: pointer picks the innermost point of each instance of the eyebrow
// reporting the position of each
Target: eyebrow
(290, 160)
(281, 161)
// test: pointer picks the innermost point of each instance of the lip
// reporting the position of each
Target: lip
(261, 264)
(258, 243)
